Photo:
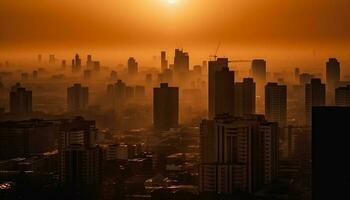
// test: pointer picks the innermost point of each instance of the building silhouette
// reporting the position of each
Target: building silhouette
(315, 95)
(80, 158)
(342, 96)
(213, 67)
(237, 154)
(132, 66)
(26, 138)
(224, 92)
(163, 61)
(165, 107)
(20, 100)
(245, 97)
(332, 79)
(76, 64)
(181, 62)
(276, 103)
(330, 166)
(259, 75)
(77, 98)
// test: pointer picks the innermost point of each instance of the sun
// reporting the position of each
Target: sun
(172, 2)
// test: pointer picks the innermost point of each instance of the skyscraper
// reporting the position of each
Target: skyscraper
(77, 98)
(259, 74)
(20, 100)
(245, 96)
(332, 78)
(165, 107)
(213, 67)
(163, 61)
(132, 66)
(237, 153)
(89, 62)
(181, 61)
(315, 95)
(342, 96)
(276, 103)
(80, 157)
(76, 63)
(224, 92)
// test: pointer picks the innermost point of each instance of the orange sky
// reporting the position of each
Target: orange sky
(237, 24)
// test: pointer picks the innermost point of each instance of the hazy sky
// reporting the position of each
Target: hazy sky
(261, 24)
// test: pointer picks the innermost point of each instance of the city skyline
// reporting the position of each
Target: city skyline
(174, 99)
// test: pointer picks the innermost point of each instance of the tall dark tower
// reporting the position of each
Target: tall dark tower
(181, 62)
(332, 79)
(245, 97)
(215, 91)
(132, 66)
(224, 92)
(165, 107)
(276, 103)
(259, 73)
(20, 100)
(315, 95)
(163, 61)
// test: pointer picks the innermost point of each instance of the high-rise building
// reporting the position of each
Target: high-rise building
(244, 97)
(181, 61)
(342, 96)
(315, 95)
(165, 107)
(276, 103)
(132, 66)
(237, 153)
(332, 79)
(20, 100)
(213, 67)
(76, 63)
(259, 75)
(77, 98)
(224, 91)
(80, 157)
(89, 62)
(26, 138)
(330, 144)
(163, 61)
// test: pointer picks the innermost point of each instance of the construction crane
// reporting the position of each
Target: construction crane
(239, 61)
(216, 52)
